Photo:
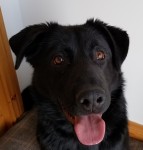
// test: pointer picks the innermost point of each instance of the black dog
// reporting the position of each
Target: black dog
(77, 83)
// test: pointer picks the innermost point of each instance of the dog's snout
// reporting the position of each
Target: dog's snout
(92, 101)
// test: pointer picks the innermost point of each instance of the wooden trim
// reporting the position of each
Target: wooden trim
(11, 106)
(135, 130)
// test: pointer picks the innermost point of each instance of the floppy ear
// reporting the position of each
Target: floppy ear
(120, 41)
(22, 44)
(117, 39)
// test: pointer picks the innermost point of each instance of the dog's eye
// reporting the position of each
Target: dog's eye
(58, 60)
(100, 55)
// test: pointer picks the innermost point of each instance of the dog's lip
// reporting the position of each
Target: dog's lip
(68, 115)
(71, 118)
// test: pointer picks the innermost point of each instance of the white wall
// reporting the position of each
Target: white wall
(125, 14)
(13, 23)
(12, 16)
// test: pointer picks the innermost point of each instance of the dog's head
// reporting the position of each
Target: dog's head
(76, 66)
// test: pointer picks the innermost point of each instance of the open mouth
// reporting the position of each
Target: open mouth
(69, 117)
(89, 129)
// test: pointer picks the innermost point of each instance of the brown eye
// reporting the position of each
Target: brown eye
(58, 60)
(100, 55)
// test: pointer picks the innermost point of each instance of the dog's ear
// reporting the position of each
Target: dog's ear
(117, 39)
(22, 44)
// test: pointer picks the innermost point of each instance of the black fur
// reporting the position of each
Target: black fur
(64, 85)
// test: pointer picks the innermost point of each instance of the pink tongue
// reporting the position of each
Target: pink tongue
(89, 129)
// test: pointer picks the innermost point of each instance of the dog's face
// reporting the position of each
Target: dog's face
(75, 66)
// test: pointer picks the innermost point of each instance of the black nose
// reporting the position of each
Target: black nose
(92, 101)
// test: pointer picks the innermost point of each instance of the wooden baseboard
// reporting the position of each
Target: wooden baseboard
(135, 130)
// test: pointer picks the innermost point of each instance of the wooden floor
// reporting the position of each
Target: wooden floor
(136, 144)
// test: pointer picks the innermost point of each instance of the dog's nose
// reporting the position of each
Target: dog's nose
(92, 101)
